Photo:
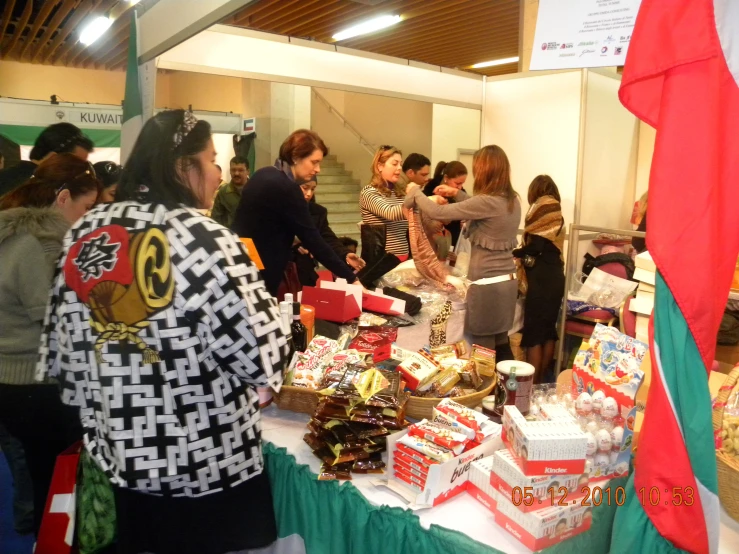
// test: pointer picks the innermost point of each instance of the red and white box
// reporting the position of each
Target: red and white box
(418, 369)
(376, 301)
(544, 447)
(336, 301)
(529, 493)
(478, 483)
(542, 528)
(444, 480)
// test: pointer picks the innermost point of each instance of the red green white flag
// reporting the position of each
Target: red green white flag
(681, 77)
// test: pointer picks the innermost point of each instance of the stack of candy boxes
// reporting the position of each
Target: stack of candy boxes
(536, 483)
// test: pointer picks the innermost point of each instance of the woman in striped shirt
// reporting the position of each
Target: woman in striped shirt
(381, 206)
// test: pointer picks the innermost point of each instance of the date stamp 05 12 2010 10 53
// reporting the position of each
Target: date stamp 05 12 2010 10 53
(595, 496)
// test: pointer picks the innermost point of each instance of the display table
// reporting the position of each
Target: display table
(361, 518)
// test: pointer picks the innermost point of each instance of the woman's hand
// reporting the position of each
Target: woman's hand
(411, 188)
(446, 190)
(440, 200)
(355, 261)
(302, 250)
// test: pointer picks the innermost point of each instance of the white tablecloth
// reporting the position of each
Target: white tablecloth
(463, 513)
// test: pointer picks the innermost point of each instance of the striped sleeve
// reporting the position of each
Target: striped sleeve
(372, 201)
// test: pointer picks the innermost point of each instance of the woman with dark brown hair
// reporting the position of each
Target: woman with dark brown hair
(33, 220)
(541, 256)
(494, 213)
(273, 211)
(453, 174)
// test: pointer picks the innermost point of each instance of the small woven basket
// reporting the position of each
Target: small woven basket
(299, 399)
(726, 464)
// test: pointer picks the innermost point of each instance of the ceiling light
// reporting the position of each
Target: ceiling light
(503, 61)
(95, 29)
(369, 26)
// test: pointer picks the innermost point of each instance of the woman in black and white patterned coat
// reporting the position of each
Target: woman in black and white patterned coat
(159, 329)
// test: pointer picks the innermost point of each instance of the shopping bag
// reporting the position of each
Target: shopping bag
(603, 289)
(56, 534)
(96, 515)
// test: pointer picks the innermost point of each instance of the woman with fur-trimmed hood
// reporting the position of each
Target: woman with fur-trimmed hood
(33, 221)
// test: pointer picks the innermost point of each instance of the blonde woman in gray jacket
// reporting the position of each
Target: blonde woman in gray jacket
(494, 214)
(33, 220)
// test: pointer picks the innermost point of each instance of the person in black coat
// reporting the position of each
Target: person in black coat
(304, 261)
(273, 211)
(55, 139)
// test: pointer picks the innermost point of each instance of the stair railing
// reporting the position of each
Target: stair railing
(367, 145)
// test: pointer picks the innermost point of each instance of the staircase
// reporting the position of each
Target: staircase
(338, 192)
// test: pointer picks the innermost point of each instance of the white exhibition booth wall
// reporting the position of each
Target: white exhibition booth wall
(571, 126)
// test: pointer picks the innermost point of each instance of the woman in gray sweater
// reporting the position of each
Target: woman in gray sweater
(33, 220)
(494, 214)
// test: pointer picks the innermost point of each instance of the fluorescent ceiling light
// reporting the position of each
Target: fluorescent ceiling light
(95, 29)
(369, 26)
(492, 63)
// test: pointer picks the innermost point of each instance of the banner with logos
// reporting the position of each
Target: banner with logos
(571, 34)
(90, 117)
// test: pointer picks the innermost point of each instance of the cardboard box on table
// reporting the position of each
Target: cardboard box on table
(542, 528)
(508, 479)
(334, 301)
(340, 301)
(544, 447)
(444, 481)
(478, 482)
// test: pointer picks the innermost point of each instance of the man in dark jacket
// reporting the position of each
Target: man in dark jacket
(55, 139)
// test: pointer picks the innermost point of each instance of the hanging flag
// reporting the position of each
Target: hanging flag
(133, 119)
(681, 78)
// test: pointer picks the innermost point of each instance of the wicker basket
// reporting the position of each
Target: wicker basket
(727, 466)
(299, 399)
(420, 408)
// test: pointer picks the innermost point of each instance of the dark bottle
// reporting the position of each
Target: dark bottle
(299, 332)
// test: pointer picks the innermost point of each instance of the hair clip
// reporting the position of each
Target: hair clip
(188, 124)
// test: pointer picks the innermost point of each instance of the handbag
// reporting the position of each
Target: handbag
(96, 515)
(56, 534)
(290, 282)
(523, 283)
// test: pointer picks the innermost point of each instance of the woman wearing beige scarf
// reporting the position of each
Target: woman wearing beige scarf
(541, 256)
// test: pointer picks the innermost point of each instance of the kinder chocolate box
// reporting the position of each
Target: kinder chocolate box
(545, 490)
(544, 447)
(444, 480)
(478, 482)
(542, 528)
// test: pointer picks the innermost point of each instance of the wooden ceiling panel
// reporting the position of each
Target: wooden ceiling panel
(449, 33)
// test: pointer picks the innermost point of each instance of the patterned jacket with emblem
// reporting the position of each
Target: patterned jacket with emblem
(159, 328)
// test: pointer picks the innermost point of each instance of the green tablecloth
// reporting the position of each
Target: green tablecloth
(336, 519)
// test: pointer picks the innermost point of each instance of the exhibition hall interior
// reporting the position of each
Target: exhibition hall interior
(369, 276)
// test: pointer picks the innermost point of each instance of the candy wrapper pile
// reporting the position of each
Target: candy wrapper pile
(358, 408)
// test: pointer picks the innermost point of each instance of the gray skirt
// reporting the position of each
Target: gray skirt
(490, 308)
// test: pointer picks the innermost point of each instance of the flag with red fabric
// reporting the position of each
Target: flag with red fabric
(681, 77)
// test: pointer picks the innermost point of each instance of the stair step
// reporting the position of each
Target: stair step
(333, 170)
(344, 229)
(335, 207)
(334, 188)
(330, 199)
(337, 180)
(343, 217)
